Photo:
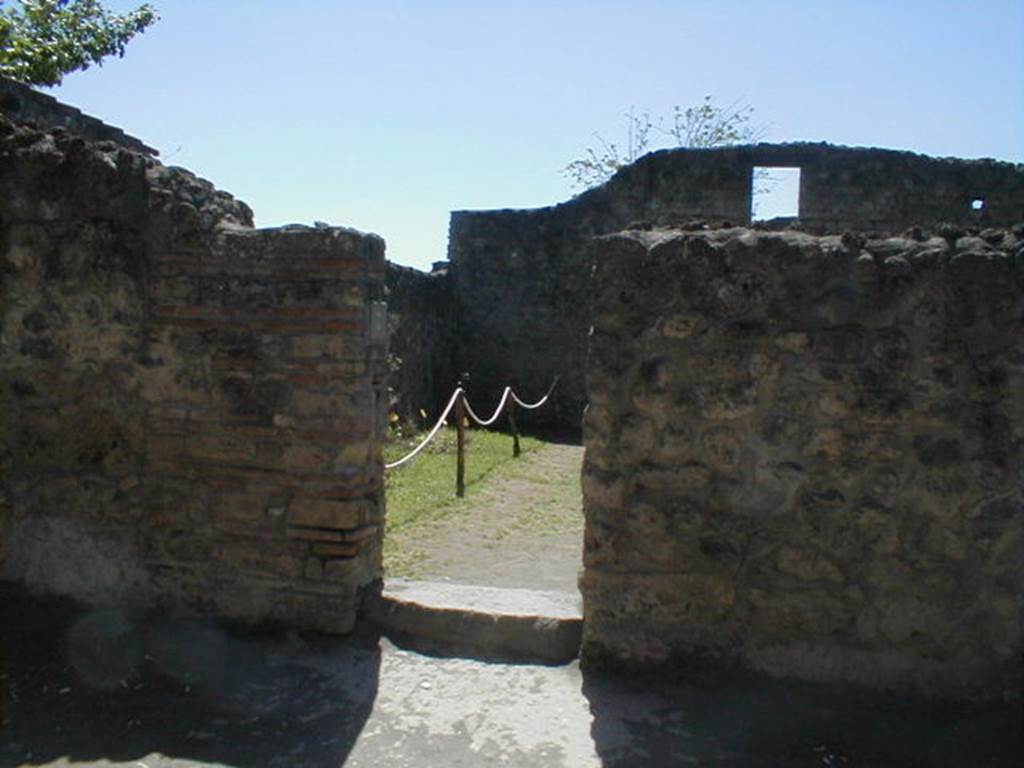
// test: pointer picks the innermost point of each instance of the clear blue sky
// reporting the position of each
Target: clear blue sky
(384, 116)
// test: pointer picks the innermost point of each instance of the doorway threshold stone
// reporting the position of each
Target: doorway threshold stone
(449, 619)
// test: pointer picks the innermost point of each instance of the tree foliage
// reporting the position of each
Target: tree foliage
(43, 40)
(701, 126)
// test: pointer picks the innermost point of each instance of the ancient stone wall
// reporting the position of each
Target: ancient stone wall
(191, 410)
(805, 456)
(840, 187)
(421, 328)
(22, 104)
(521, 283)
(521, 277)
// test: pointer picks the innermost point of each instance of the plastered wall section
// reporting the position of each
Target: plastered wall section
(521, 277)
(804, 456)
(190, 409)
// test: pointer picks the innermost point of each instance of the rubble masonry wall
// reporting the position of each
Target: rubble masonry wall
(191, 410)
(804, 456)
(522, 276)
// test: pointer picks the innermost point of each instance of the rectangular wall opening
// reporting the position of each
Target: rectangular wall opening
(775, 193)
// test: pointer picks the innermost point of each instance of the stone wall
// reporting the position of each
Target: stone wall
(805, 456)
(191, 410)
(521, 282)
(521, 277)
(22, 104)
(421, 329)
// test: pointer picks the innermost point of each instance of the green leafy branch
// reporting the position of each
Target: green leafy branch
(43, 40)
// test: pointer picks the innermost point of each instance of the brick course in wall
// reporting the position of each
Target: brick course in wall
(191, 410)
(805, 456)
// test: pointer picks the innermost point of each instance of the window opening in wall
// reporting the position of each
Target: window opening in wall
(776, 193)
(977, 203)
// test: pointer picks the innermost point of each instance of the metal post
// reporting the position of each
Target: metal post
(514, 428)
(460, 431)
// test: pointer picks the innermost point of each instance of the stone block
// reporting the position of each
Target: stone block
(807, 565)
(322, 513)
(682, 326)
(603, 488)
(344, 549)
(722, 444)
(790, 614)
(638, 439)
(307, 458)
(255, 556)
(240, 508)
(314, 569)
(341, 571)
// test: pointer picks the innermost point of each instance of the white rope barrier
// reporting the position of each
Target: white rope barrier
(539, 403)
(459, 391)
(428, 438)
(497, 411)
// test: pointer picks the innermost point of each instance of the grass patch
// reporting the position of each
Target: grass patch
(557, 510)
(536, 495)
(424, 489)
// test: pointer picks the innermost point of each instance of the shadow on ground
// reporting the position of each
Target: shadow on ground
(100, 685)
(662, 720)
(557, 435)
(97, 687)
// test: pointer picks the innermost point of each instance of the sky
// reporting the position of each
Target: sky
(385, 115)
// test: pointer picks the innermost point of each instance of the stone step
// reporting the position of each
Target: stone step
(481, 622)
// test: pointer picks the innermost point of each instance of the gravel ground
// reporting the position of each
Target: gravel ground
(522, 529)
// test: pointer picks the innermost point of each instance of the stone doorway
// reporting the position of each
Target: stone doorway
(520, 527)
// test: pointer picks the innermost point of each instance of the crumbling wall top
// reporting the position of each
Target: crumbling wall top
(857, 188)
(20, 103)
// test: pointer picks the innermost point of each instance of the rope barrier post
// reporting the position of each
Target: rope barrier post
(460, 431)
(459, 403)
(515, 430)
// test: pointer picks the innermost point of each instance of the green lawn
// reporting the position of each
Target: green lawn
(424, 489)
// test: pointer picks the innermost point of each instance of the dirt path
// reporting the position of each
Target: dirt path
(523, 528)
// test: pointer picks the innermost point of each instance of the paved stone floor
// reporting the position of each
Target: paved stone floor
(99, 689)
